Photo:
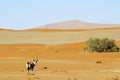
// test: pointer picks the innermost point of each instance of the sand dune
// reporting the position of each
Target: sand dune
(66, 30)
(70, 62)
(77, 24)
(54, 38)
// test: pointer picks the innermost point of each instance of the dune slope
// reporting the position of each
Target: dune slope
(54, 38)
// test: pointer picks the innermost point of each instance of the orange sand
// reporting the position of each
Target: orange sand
(64, 62)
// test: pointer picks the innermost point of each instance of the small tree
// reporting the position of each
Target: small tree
(101, 45)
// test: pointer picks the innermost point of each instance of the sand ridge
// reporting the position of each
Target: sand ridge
(55, 38)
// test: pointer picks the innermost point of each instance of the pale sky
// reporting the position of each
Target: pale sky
(22, 14)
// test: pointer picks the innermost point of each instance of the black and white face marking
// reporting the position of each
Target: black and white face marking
(35, 61)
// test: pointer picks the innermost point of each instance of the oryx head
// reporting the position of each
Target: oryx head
(35, 61)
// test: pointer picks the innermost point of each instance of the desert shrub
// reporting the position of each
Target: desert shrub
(56, 50)
(101, 45)
(114, 78)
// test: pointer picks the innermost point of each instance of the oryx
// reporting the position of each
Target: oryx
(30, 66)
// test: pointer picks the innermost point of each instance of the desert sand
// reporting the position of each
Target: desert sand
(61, 51)
(55, 38)
(70, 62)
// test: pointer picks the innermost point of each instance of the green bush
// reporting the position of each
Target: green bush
(101, 45)
(56, 50)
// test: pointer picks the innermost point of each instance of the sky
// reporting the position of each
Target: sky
(23, 14)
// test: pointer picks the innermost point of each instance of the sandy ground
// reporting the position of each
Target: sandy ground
(62, 53)
(63, 62)
(54, 38)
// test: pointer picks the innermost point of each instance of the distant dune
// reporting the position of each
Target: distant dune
(77, 24)
(60, 33)
(71, 26)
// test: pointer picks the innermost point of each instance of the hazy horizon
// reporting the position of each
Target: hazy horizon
(24, 14)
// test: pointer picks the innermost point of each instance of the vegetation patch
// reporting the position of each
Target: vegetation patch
(101, 45)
